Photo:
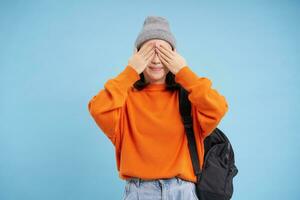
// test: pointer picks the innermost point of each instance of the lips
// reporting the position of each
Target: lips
(156, 68)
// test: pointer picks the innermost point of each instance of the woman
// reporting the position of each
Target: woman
(138, 111)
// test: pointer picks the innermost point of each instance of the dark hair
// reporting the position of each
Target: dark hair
(171, 85)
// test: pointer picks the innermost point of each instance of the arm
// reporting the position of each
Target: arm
(208, 106)
(106, 107)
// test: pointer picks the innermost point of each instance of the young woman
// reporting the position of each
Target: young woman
(138, 111)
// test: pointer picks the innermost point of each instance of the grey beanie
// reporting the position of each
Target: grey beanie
(155, 27)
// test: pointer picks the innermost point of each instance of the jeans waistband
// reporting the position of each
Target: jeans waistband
(158, 182)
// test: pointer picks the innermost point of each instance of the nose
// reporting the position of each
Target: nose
(156, 59)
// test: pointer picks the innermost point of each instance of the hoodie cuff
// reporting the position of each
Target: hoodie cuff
(128, 76)
(186, 77)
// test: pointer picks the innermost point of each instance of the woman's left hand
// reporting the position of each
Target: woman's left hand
(171, 59)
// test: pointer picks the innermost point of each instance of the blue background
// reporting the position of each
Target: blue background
(56, 55)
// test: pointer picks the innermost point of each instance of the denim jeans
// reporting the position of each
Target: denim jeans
(159, 189)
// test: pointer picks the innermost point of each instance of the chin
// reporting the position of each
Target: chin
(155, 75)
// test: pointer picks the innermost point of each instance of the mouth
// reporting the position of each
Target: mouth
(156, 69)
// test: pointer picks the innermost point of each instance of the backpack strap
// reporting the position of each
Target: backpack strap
(185, 112)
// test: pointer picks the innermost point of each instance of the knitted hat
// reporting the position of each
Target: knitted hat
(155, 27)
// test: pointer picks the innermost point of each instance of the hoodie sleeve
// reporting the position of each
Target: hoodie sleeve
(208, 106)
(107, 106)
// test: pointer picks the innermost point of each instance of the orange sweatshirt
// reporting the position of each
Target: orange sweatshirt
(145, 126)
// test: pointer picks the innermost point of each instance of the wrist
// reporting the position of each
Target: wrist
(178, 69)
(137, 71)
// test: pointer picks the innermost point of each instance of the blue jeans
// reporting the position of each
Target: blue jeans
(159, 189)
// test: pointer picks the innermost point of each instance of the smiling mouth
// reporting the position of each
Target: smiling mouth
(156, 68)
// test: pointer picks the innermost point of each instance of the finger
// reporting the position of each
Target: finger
(163, 59)
(164, 56)
(150, 56)
(149, 52)
(165, 63)
(163, 51)
(169, 51)
(146, 48)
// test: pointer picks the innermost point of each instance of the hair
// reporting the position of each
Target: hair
(171, 85)
(170, 82)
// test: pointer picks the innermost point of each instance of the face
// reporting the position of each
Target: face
(156, 72)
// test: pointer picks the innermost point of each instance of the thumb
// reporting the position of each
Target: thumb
(135, 50)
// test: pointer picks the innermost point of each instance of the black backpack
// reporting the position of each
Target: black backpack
(215, 180)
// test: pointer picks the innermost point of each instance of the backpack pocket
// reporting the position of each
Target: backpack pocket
(212, 183)
(229, 180)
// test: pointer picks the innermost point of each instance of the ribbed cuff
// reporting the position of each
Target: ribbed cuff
(128, 76)
(186, 77)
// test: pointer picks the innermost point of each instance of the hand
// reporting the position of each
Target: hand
(140, 59)
(171, 59)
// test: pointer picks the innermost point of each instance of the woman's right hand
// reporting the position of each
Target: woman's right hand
(140, 59)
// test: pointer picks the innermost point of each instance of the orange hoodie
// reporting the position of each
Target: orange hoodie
(145, 126)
